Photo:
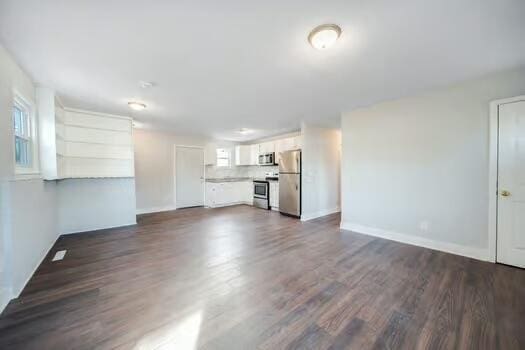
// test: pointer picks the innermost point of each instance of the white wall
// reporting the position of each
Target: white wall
(93, 204)
(154, 168)
(416, 169)
(34, 227)
(33, 212)
(25, 204)
(321, 153)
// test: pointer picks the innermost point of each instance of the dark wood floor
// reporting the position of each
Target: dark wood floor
(245, 278)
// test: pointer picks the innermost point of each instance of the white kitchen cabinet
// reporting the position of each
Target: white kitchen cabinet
(274, 195)
(247, 192)
(281, 145)
(210, 154)
(243, 155)
(254, 154)
(296, 142)
(286, 144)
(216, 194)
(275, 146)
(211, 197)
(220, 194)
(226, 194)
(267, 147)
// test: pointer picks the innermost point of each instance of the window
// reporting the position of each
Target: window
(24, 137)
(223, 157)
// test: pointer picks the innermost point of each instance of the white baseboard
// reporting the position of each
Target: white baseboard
(318, 214)
(5, 296)
(156, 209)
(229, 204)
(16, 292)
(453, 248)
(100, 228)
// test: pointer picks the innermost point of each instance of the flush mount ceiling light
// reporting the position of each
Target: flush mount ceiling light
(136, 105)
(324, 36)
(245, 131)
(146, 84)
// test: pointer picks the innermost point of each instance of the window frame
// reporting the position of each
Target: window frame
(229, 157)
(29, 134)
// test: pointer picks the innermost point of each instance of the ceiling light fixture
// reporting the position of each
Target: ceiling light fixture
(324, 36)
(244, 131)
(136, 105)
(146, 84)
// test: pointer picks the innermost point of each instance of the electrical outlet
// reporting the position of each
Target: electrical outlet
(423, 225)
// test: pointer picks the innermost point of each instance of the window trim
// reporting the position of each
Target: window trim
(228, 151)
(32, 171)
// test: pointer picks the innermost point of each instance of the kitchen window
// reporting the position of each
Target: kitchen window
(24, 130)
(223, 157)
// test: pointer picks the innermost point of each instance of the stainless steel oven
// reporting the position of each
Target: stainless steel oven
(267, 158)
(261, 194)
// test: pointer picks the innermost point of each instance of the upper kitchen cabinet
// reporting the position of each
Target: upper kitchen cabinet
(286, 144)
(246, 154)
(254, 154)
(82, 144)
(267, 147)
(243, 155)
(210, 154)
(296, 142)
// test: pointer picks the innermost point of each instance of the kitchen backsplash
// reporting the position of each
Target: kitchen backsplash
(213, 172)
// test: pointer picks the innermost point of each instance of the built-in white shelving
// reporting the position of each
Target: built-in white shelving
(83, 144)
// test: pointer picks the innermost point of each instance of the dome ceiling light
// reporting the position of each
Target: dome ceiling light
(136, 105)
(245, 131)
(324, 36)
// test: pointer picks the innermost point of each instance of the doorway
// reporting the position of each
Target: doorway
(189, 176)
(509, 201)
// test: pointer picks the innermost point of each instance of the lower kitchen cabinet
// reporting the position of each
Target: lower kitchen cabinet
(274, 195)
(220, 194)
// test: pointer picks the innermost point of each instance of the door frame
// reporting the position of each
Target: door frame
(493, 173)
(175, 173)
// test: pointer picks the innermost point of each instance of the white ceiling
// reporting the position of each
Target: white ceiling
(222, 65)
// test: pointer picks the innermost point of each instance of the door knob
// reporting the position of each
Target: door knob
(505, 193)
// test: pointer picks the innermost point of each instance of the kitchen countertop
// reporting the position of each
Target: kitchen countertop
(229, 179)
(236, 179)
(263, 179)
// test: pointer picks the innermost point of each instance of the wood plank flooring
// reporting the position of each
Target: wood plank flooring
(245, 278)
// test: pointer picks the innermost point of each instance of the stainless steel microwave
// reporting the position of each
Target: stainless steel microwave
(267, 159)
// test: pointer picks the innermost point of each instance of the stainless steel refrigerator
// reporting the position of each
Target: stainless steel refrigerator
(290, 183)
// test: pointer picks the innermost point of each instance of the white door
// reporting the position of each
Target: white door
(511, 184)
(189, 169)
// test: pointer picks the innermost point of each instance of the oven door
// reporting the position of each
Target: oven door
(260, 190)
